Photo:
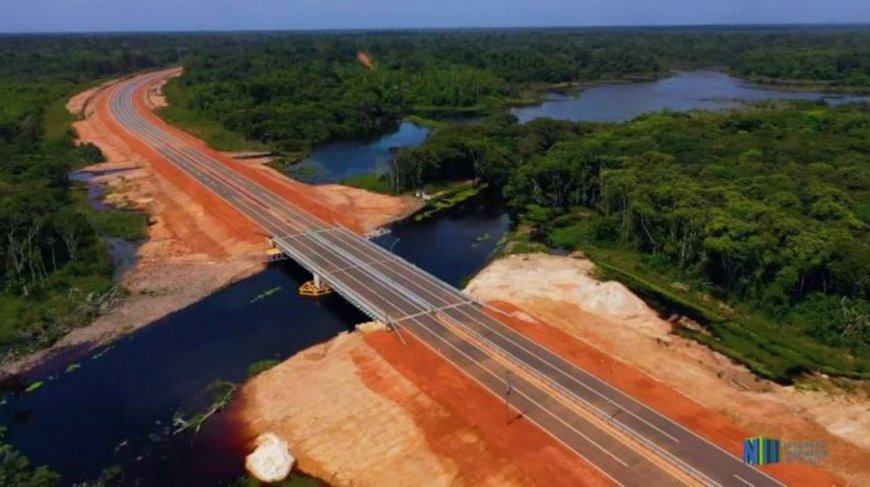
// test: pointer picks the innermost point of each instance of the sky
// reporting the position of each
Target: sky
(192, 15)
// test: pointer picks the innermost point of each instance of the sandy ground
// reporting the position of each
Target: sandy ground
(371, 210)
(196, 242)
(357, 411)
(154, 96)
(612, 322)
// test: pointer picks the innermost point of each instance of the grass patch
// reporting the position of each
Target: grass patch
(370, 182)
(286, 161)
(295, 480)
(265, 294)
(221, 392)
(770, 350)
(447, 196)
(217, 136)
(261, 366)
(128, 225)
(62, 302)
(429, 123)
(57, 119)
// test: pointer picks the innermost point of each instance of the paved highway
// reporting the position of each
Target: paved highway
(628, 442)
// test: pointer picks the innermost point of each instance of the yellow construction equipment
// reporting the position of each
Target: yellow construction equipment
(315, 288)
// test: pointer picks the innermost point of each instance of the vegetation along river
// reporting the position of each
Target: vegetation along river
(116, 407)
(610, 102)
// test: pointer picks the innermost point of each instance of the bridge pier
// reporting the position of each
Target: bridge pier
(315, 288)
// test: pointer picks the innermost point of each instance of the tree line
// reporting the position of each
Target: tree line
(294, 92)
(767, 207)
(54, 264)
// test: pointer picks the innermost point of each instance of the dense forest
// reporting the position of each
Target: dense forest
(55, 269)
(702, 210)
(294, 92)
(768, 208)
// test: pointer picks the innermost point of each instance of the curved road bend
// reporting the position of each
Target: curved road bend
(585, 414)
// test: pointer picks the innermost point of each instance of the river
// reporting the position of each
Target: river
(116, 407)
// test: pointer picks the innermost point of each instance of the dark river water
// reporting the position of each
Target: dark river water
(694, 90)
(116, 407)
(341, 160)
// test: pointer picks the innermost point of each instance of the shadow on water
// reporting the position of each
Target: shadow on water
(455, 243)
(115, 407)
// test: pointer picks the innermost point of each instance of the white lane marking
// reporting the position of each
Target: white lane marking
(398, 320)
(750, 484)
(518, 391)
(410, 280)
(213, 182)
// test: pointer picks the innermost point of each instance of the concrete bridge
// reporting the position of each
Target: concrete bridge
(627, 441)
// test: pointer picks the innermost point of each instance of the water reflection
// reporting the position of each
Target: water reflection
(695, 90)
(335, 162)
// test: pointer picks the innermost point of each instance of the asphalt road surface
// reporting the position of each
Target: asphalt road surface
(626, 440)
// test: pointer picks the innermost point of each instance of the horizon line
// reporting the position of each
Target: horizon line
(442, 28)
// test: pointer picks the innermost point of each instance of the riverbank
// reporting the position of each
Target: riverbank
(619, 335)
(194, 246)
(424, 421)
(366, 409)
(801, 85)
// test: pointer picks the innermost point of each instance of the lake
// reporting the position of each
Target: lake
(694, 90)
(611, 102)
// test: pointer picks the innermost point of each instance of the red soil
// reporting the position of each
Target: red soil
(234, 221)
(658, 396)
(520, 443)
(291, 190)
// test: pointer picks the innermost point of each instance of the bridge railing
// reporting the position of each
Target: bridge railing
(366, 307)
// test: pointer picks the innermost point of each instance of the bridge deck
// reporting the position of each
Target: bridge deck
(576, 408)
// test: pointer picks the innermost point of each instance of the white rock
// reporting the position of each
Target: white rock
(370, 326)
(271, 460)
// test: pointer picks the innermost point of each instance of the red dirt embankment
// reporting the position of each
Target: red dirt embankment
(605, 329)
(370, 410)
(660, 397)
(369, 416)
